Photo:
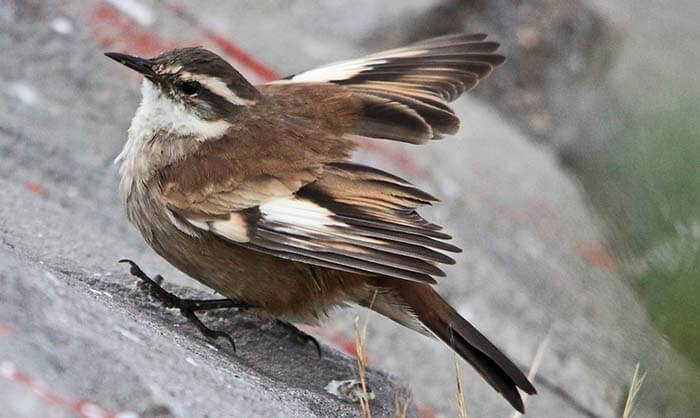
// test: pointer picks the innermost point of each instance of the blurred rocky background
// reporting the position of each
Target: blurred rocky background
(573, 187)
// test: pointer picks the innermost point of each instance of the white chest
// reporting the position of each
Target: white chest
(160, 116)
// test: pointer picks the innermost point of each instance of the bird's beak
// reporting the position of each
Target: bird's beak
(138, 64)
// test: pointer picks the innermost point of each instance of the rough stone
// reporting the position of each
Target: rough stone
(534, 263)
(77, 325)
(558, 54)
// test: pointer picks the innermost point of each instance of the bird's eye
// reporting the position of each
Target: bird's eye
(190, 87)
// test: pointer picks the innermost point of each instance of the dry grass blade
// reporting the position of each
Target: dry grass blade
(461, 405)
(635, 386)
(360, 340)
(535, 366)
(401, 404)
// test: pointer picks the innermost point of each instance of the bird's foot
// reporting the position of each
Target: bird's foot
(187, 307)
(301, 336)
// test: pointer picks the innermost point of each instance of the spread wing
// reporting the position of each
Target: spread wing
(403, 93)
(349, 217)
(337, 215)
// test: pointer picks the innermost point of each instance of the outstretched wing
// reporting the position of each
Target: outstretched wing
(352, 218)
(340, 215)
(403, 92)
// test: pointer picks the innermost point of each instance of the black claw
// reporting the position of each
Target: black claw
(136, 271)
(302, 336)
(318, 346)
(187, 307)
(165, 297)
(206, 331)
(221, 334)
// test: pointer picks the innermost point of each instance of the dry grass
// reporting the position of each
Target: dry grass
(635, 386)
(401, 404)
(461, 405)
(535, 366)
(402, 400)
(360, 344)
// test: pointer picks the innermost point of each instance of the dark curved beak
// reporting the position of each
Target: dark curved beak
(141, 65)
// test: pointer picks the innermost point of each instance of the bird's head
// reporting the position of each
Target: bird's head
(190, 96)
(192, 80)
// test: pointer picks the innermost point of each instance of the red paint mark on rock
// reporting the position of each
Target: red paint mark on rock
(346, 344)
(39, 389)
(114, 30)
(334, 337)
(35, 188)
(598, 255)
(425, 411)
(226, 46)
(6, 329)
(397, 158)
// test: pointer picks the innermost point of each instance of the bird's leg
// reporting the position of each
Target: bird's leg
(302, 336)
(187, 307)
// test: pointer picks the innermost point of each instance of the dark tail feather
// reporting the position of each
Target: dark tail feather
(440, 318)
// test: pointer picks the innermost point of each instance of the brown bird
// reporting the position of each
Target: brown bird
(248, 189)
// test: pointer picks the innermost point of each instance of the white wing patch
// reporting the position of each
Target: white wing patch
(330, 233)
(339, 71)
(236, 229)
(345, 70)
(297, 213)
(288, 215)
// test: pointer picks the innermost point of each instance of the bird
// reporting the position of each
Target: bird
(250, 189)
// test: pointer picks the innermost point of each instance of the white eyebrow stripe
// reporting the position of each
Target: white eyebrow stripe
(172, 69)
(218, 87)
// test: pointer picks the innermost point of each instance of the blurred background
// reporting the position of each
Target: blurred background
(573, 185)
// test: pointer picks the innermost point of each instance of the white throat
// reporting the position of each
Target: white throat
(158, 114)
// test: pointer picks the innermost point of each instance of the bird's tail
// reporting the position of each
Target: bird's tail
(431, 310)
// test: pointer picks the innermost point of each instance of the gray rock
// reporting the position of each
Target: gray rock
(533, 263)
(79, 326)
(529, 272)
(75, 322)
(558, 54)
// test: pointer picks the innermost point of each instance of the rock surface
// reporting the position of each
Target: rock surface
(74, 324)
(534, 264)
(558, 53)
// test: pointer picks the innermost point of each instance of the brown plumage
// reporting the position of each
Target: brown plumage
(248, 189)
